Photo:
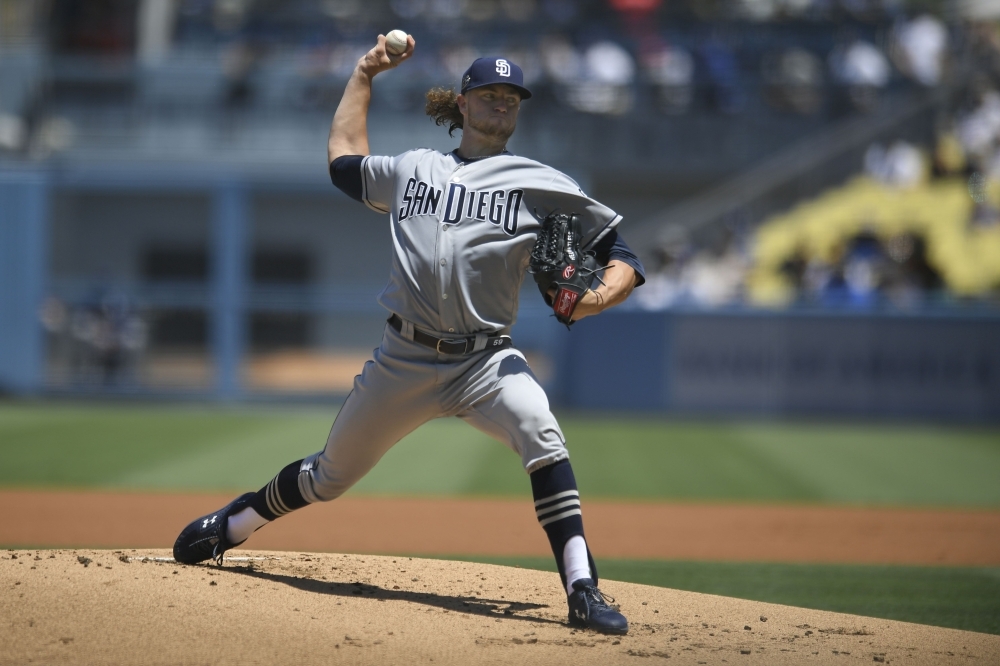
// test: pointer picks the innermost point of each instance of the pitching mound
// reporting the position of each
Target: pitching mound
(139, 607)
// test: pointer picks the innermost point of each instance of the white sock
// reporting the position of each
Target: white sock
(575, 562)
(241, 525)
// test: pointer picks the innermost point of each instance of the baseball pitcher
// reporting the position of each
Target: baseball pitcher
(467, 226)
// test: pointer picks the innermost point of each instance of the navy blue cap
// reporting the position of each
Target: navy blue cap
(487, 71)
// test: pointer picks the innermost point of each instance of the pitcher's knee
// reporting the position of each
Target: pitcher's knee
(540, 447)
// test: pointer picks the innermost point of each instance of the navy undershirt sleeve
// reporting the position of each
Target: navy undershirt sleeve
(613, 246)
(345, 172)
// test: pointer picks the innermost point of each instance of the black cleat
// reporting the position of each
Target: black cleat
(589, 609)
(205, 538)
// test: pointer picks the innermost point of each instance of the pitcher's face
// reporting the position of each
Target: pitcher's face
(491, 110)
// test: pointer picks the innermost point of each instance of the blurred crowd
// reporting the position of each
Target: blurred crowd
(97, 341)
(868, 244)
(593, 56)
(607, 57)
(599, 56)
(919, 225)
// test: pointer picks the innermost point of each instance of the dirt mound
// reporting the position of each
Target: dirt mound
(139, 607)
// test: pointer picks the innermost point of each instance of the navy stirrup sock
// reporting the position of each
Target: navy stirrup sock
(281, 495)
(557, 506)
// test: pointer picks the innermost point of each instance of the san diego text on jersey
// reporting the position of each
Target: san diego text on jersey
(499, 207)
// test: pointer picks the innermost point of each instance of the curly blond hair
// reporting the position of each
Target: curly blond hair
(442, 107)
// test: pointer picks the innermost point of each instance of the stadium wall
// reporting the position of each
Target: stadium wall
(933, 366)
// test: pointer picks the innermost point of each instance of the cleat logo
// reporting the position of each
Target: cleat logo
(580, 614)
(503, 67)
(205, 523)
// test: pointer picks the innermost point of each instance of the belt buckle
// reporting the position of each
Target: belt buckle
(437, 347)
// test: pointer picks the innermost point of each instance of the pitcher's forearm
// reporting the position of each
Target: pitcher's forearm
(619, 281)
(349, 129)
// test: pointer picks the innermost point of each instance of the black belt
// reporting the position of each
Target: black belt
(452, 345)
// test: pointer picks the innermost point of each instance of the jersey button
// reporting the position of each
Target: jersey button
(444, 296)
(444, 261)
(451, 330)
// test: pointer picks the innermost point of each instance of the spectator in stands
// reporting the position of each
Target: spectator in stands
(863, 269)
(909, 277)
(984, 210)
(715, 279)
(670, 69)
(901, 165)
(724, 76)
(597, 80)
(984, 46)
(921, 46)
(108, 334)
(821, 281)
(979, 134)
(793, 80)
(794, 268)
(666, 276)
(863, 70)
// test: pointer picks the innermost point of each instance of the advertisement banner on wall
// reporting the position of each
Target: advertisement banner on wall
(786, 364)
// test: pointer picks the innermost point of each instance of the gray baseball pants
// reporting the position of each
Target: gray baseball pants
(407, 384)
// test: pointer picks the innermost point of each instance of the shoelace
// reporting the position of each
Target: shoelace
(600, 599)
(219, 549)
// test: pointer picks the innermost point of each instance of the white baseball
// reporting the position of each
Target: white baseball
(395, 42)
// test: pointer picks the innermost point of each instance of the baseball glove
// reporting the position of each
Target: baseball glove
(558, 263)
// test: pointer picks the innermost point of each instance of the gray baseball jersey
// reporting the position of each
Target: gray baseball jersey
(462, 232)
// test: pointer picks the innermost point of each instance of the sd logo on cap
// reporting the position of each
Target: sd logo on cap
(487, 71)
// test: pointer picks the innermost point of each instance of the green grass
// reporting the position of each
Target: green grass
(218, 448)
(162, 447)
(955, 597)
(150, 447)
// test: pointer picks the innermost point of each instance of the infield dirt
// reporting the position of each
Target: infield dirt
(455, 526)
(139, 607)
